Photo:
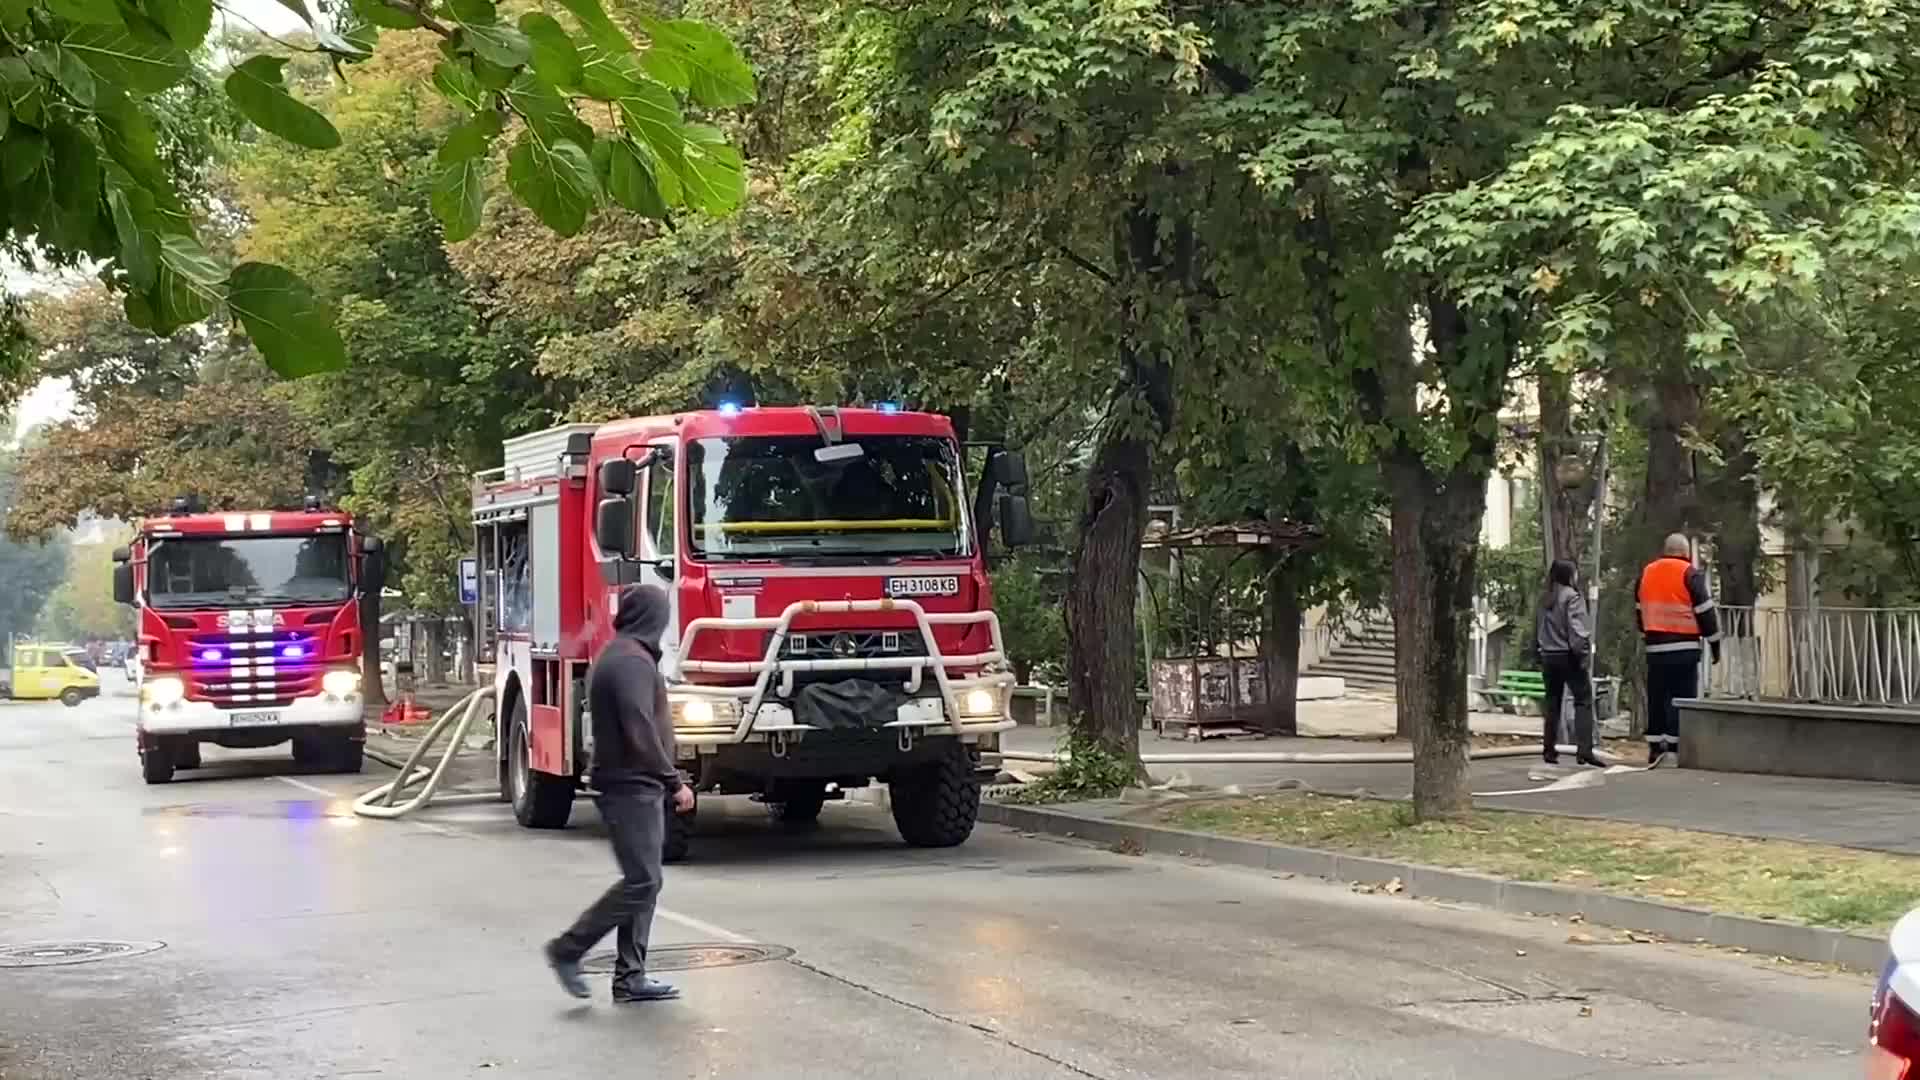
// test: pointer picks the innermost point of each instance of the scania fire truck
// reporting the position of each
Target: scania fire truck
(832, 621)
(249, 633)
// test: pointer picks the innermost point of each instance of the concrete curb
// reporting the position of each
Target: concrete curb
(1859, 952)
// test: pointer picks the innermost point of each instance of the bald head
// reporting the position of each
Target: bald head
(1678, 548)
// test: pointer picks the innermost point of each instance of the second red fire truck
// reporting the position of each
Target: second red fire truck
(832, 620)
(249, 633)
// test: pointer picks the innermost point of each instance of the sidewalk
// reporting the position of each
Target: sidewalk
(1876, 817)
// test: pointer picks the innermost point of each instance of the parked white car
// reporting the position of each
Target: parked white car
(1893, 1036)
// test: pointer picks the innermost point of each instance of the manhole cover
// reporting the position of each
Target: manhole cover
(52, 953)
(690, 957)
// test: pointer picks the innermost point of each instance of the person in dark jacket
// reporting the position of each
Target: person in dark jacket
(633, 771)
(1565, 645)
(1676, 615)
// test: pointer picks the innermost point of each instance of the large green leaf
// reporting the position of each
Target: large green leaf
(65, 68)
(382, 13)
(555, 180)
(554, 57)
(290, 326)
(502, 45)
(549, 115)
(714, 176)
(598, 27)
(471, 137)
(139, 245)
(473, 12)
(257, 90)
(717, 75)
(74, 163)
(458, 196)
(24, 151)
(456, 82)
(630, 180)
(185, 21)
(21, 89)
(651, 113)
(103, 12)
(136, 60)
(186, 286)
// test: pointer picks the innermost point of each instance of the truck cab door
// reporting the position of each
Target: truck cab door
(659, 544)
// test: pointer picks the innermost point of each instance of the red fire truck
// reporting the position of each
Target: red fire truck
(832, 622)
(249, 633)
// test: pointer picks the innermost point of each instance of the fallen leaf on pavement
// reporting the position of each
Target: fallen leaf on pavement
(1586, 1010)
(1394, 886)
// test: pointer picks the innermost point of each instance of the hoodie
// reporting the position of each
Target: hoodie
(1561, 629)
(632, 727)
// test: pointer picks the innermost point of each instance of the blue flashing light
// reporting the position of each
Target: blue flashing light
(729, 408)
(889, 407)
(212, 656)
(293, 652)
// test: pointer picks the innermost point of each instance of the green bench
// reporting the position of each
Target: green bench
(1516, 687)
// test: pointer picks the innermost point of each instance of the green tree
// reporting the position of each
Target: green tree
(31, 569)
(92, 89)
(82, 607)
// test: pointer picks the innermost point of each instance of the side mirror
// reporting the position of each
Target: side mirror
(122, 582)
(616, 477)
(121, 555)
(665, 568)
(373, 566)
(1016, 521)
(1010, 469)
(613, 524)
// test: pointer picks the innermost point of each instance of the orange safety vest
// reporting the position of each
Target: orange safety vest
(1666, 605)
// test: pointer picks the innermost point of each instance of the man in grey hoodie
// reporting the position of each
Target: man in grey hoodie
(633, 771)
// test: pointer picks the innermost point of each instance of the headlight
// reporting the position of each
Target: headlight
(700, 712)
(980, 703)
(341, 683)
(163, 690)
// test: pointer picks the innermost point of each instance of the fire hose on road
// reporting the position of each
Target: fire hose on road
(379, 803)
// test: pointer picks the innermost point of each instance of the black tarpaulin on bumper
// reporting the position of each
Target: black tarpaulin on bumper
(850, 703)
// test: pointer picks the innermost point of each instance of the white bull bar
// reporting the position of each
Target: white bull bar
(764, 669)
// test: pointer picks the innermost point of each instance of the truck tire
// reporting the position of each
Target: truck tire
(189, 755)
(799, 807)
(935, 805)
(71, 698)
(307, 752)
(156, 765)
(540, 800)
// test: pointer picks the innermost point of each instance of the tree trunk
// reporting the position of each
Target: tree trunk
(1435, 524)
(433, 666)
(1102, 637)
(372, 691)
(1280, 644)
(1566, 473)
(1672, 499)
(1736, 506)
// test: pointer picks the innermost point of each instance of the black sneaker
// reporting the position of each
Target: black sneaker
(567, 971)
(1592, 760)
(647, 990)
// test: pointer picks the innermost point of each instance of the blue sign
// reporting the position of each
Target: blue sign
(469, 581)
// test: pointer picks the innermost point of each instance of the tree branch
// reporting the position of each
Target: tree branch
(1086, 264)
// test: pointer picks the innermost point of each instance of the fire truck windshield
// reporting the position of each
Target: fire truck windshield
(781, 496)
(259, 570)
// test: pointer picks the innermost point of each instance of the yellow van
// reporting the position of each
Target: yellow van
(45, 672)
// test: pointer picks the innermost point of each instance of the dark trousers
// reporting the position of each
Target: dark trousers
(636, 824)
(1669, 676)
(1567, 672)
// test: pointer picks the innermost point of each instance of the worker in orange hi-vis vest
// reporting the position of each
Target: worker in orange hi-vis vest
(1676, 616)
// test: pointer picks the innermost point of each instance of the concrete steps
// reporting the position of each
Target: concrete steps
(1366, 661)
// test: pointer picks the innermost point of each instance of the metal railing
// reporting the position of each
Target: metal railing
(1823, 655)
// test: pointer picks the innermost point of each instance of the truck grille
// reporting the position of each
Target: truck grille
(254, 670)
(852, 644)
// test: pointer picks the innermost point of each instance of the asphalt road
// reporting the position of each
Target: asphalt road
(301, 941)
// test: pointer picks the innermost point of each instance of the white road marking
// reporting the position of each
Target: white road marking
(304, 786)
(706, 928)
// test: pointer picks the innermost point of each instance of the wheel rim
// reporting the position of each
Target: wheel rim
(518, 755)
